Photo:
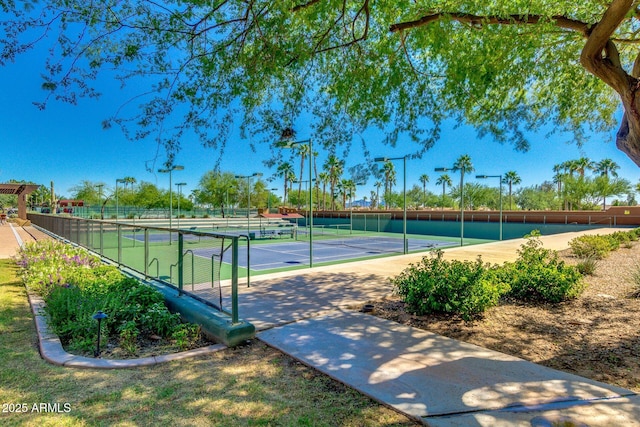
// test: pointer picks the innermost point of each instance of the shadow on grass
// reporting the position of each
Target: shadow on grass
(246, 385)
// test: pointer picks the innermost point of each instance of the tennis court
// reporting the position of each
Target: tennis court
(271, 250)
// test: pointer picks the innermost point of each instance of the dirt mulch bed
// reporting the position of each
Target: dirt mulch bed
(596, 335)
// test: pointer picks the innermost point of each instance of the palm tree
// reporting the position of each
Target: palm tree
(424, 178)
(605, 167)
(285, 170)
(583, 164)
(378, 184)
(562, 171)
(304, 150)
(511, 178)
(389, 171)
(464, 165)
(324, 179)
(334, 168)
(443, 180)
(343, 188)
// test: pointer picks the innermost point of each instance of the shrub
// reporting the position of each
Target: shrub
(587, 266)
(622, 238)
(461, 287)
(592, 246)
(186, 335)
(539, 275)
(74, 286)
(129, 336)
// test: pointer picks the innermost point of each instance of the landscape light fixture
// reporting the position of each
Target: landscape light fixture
(169, 171)
(453, 169)
(99, 316)
(285, 143)
(404, 196)
(500, 180)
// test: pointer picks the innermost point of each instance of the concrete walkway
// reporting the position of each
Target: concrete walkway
(313, 316)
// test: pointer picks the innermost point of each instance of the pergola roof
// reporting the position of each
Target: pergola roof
(17, 188)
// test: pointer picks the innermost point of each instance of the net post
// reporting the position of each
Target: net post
(234, 279)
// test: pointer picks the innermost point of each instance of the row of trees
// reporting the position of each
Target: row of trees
(572, 188)
(577, 184)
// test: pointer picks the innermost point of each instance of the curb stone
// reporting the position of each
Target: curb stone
(51, 348)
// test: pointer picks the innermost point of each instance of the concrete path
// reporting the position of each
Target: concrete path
(434, 379)
(312, 315)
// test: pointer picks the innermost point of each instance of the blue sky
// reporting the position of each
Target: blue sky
(66, 144)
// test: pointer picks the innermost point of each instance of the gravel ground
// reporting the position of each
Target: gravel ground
(596, 335)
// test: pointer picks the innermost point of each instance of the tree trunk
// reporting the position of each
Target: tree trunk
(601, 58)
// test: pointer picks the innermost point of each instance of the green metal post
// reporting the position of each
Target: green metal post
(180, 262)
(234, 280)
(101, 239)
(146, 252)
(119, 244)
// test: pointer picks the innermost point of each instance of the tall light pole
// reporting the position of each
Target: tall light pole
(455, 168)
(99, 198)
(248, 178)
(500, 180)
(269, 199)
(290, 144)
(179, 185)
(169, 171)
(404, 196)
(119, 180)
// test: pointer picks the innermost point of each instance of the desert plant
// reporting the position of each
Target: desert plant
(437, 285)
(539, 275)
(592, 246)
(587, 266)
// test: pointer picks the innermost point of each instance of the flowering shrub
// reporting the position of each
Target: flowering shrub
(75, 285)
(47, 264)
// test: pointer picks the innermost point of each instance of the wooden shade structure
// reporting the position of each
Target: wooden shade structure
(20, 190)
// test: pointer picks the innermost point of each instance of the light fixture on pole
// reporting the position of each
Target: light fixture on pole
(169, 171)
(455, 168)
(248, 178)
(500, 180)
(119, 180)
(179, 185)
(404, 196)
(269, 199)
(99, 316)
(99, 198)
(285, 143)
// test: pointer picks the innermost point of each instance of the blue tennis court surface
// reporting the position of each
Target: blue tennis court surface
(291, 254)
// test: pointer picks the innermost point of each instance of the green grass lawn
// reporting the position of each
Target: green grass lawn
(252, 385)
